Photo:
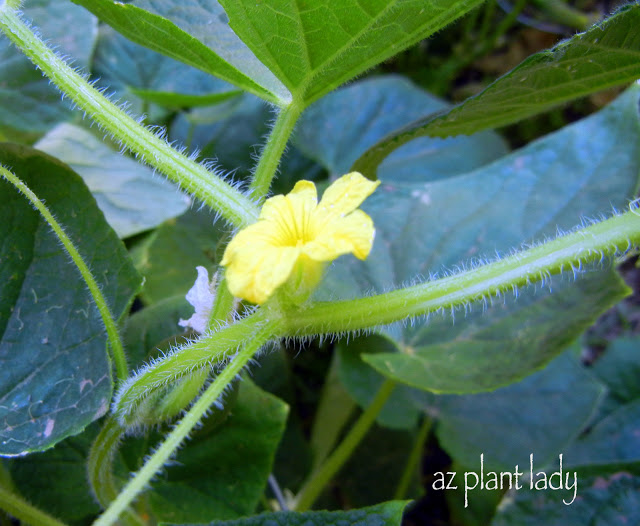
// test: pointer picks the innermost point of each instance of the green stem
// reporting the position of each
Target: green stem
(25, 512)
(191, 176)
(568, 252)
(504, 26)
(272, 152)
(413, 462)
(205, 352)
(318, 480)
(142, 478)
(564, 14)
(487, 20)
(115, 343)
(223, 305)
(100, 466)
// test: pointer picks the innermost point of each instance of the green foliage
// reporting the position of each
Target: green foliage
(488, 265)
(343, 125)
(55, 381)
(28, 102)
(174, 40)
(604, 56)
(221, 475)
(604, 500)
(314, 49)
(115, 181)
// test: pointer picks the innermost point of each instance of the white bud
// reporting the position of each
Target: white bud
(201, 296)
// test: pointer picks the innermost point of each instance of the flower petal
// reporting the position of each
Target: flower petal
(290, 214)
(256, 277)
(246, 241)
(353, 233)
(255, 266)
(346, 194)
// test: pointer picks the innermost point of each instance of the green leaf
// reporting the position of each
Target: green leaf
(362, 382)
(130, 196)
(606, 55)
(56, 377)
(504, 344)
(141, 76)
(168, 257)
(56, 480)
(613, 440)
(605, 500)
(387, 514)
(537, 415)
(211, 47)
(222, 472)
(619, 368)
(336, 130)
(28, 101)
(315, 47)
(528, 195)
(613, 437)
(180, 100)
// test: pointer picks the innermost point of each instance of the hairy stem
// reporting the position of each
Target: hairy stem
(276, 143)
(223, 305)
(25, 512)
(115, 343)
(568, 252)
(142, 478)
(207, 351)
(319, 479)
(191, 176)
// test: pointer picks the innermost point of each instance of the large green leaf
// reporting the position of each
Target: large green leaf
(28, 101)
(130, 196)
(194, 32)
(313, 47)
(222, 472)
(336, 130)
(581, 171)
(56, 375)
(602, 500)
(387, 514)
(537, 415)
(606, 55)
(141, 76)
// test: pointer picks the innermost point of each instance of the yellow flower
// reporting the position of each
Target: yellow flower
(295, 234)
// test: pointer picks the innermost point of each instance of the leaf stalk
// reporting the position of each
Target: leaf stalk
(117, 350)
(207, 186)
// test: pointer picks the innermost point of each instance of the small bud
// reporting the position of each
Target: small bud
(201, 297)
